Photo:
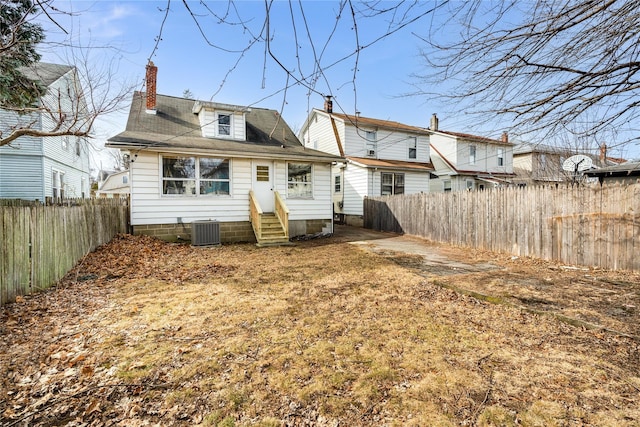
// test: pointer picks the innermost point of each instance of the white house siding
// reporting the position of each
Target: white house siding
(355, 188)
(413, 182)
(320, 206)
(149, 206)
(76, 181)
(395, 146)
(320, 136)
(209, 124)
(446, 146)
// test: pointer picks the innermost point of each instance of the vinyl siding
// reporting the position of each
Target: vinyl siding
(320, 206)
(149, 206)
(320, 136)
(21, 177)
(209, 124)
(389, 145)
(26, 167)
(413, 182)
(355, 188)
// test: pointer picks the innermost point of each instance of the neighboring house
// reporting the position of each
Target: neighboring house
(469, 162)
(37, 168)
(538, 164)
(114, 185)
(382, 157)
(242, 168)
(626, 173)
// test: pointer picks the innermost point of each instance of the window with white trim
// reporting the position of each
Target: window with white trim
(391, 183)
(57, 184)
(371, 137)
(446, 185)
(195, 176)
(500, 155)
(223, 128)
(413, 147)
(337, 184)
(299, 181)
(472, 154)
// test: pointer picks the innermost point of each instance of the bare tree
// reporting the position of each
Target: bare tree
(549, 66)
(91, 88)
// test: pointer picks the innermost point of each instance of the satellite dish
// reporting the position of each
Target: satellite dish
(577, 163)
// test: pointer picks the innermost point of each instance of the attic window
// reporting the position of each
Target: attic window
(224, 124)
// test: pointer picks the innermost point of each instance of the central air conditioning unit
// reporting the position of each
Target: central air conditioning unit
(205, 233)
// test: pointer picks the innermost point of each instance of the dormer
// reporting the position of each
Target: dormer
(222, 121)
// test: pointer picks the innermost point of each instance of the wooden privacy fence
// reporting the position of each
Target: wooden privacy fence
(584, 225)
(40, 244)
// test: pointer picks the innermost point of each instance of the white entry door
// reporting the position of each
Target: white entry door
(263, 185)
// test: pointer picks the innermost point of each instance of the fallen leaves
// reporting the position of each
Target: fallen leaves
(142, 332)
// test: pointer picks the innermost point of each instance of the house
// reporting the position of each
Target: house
(115, 184)
(626, 173)
(382, 157)
(468, 162)
(240, 168)
(539, 164)
(37, 168)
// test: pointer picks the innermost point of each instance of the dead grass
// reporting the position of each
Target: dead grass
(319, 334)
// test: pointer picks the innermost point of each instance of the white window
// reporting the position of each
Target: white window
(371, 138)
(184, 175)
(446, 185)
(543, 161)
(337, 184)
(224, 124)
(65, 142)
(500, 155)
(299, 181)
(472, 154)
(470, 184)
(392, 183)
(57, 184)
(413, 147)
(77, 147)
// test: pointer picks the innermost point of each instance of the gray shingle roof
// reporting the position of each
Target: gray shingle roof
(45, 72)
(175, 127)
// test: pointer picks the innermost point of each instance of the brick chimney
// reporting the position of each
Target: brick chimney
(152, 74)
(505, 137)
(433, 123)
(328, 104)
(603, 152)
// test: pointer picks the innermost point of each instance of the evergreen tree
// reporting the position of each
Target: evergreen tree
(18, 41)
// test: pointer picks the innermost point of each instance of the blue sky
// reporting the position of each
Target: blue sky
(209, 58)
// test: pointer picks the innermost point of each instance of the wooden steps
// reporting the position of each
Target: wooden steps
(271, 231)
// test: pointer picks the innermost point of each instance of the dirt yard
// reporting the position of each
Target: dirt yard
(358, 329)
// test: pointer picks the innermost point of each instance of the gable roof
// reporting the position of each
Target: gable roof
(46, 73)
(176, 128)
(378, 123)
